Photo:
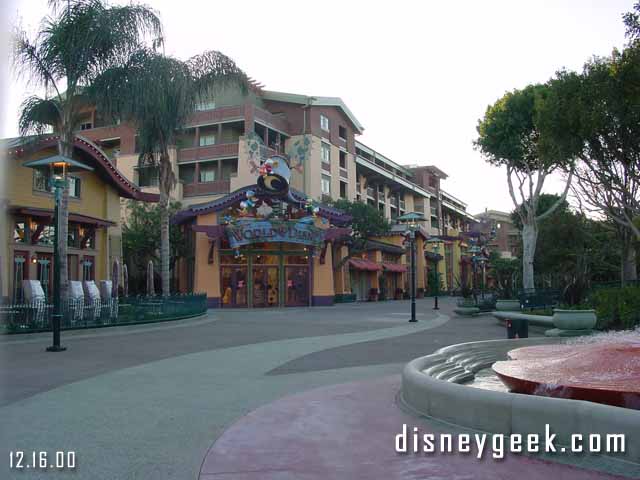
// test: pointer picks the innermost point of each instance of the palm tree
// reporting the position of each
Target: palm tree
(157, 94)
(81, 39)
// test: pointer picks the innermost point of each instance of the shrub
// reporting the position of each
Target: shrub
(617, 308)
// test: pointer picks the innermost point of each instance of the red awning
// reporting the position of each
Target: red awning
(362, 264)
(394, 267)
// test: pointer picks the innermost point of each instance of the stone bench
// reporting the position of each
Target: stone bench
(542, 320)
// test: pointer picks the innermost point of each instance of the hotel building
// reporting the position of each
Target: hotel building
(217, 158)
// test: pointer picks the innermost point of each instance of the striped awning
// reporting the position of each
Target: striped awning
(363, 264)
(394, 267)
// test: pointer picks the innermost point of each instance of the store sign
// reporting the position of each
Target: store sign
(248, 232)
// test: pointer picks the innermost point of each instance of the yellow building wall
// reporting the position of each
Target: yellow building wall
(98, 199)
(207, 275)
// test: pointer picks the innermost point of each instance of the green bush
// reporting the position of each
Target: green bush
(617, 308)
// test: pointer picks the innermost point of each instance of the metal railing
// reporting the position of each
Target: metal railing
(36, 316)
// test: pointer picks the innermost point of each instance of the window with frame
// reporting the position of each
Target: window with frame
(86, 126)
(343, 190)
(342, 133)
(42, 179)
(325, 153)
(324, 122)
(73, 184)
(208, 172)
(325, 183)
(343, 159)
(208, 139)
(20, 231)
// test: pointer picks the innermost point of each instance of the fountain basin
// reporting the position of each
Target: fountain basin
(606, 373)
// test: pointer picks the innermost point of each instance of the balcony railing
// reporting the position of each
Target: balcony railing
(208, 152)
(206, 188)
(269, 118)
(216, 115)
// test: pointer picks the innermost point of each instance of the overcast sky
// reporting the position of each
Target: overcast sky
(417, 74)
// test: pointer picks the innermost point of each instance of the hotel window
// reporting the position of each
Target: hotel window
(208, 172)
(208, 139)
(86, 126)
(343, 159)
(41, 180)
(74, 187)
(326, 185)
(324, 123)
(325, 153)
(343, 190)
(187, 173)
(342, 133)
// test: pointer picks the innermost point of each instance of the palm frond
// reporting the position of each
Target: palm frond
(37, 115)
(212, 70)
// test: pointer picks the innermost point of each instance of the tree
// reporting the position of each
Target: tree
(141, 238)
(80, 40)
(604, 122)
(514, 134)
(157, 94)
(573, 250)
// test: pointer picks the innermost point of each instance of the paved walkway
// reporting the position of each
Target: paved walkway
(148, 402)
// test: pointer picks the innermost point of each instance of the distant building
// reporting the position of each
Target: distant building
(507, 237)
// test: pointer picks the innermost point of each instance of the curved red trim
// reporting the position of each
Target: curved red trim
(126, 188)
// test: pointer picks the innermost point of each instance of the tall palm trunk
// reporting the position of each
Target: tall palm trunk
(65, 148)
(165, 184)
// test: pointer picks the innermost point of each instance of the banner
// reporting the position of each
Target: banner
(246, 232)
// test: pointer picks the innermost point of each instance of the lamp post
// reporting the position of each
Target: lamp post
(435, 242)
(59, 166)
(411, 220)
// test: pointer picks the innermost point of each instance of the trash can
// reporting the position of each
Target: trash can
(517, 328)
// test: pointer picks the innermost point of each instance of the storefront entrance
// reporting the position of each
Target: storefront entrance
(270, 276)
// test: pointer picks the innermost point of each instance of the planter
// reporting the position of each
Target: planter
(572, 323)
(467, 311)
(508, 305)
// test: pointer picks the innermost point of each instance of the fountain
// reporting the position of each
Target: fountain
(605, 369)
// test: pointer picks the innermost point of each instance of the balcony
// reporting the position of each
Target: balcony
(208, 152)
(276, 121)
(206, 188)
(146, 176)
(371, 193)
(216, 115)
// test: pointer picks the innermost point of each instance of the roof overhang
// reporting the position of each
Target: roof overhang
(314, 102)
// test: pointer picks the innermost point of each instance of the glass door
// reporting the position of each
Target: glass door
(265, 286)
(234, 287)
(297, 286)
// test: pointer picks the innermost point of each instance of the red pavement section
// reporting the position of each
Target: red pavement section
(347, 432)
(599, 372)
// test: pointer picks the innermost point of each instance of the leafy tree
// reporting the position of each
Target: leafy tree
(504, 270)
(604, 122)
(81, 39)
(367, 221)
(157, 94)
(141, 238)
(515, 133)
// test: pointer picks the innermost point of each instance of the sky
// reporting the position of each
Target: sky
(417, 74)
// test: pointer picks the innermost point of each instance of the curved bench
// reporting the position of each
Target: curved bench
(542, 320)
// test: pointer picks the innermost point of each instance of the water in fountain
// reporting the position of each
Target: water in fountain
(603, 368)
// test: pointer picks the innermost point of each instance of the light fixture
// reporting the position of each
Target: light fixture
(34, 259)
